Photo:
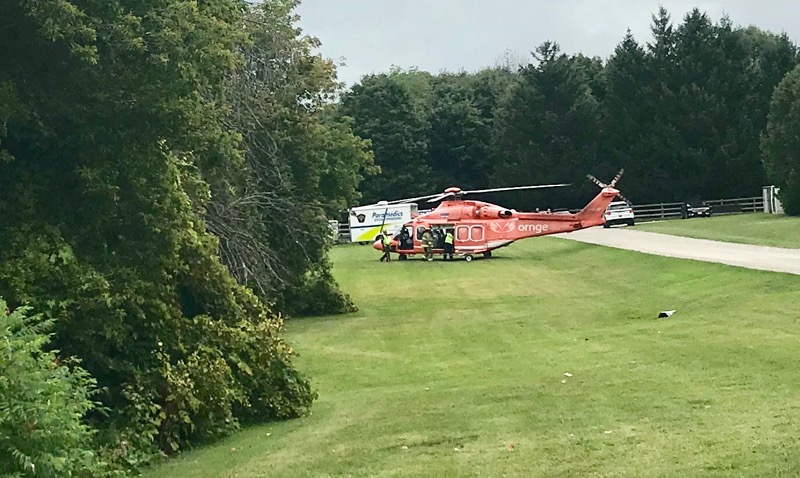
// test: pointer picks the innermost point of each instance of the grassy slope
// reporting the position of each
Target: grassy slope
(459, 362)
(759, 229)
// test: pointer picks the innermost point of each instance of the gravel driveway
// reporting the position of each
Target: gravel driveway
(743, 255)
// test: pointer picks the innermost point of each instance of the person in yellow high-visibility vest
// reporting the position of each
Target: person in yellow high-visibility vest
(386, 241)
(449, 246)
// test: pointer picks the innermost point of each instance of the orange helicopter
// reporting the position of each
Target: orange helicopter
(479, 227)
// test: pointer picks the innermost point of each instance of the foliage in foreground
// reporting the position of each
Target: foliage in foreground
(42, 404)
(111, 148)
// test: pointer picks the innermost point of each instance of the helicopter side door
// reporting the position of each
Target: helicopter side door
(438, 231)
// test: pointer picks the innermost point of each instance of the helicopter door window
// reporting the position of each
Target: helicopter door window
(476, 233)
(462, 233)
(420, 230)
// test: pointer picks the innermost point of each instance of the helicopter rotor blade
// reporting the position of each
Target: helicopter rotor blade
(616, 178)
(596, 181)
(625, 199)
(439, 197)
(515, 188)
(419, 198)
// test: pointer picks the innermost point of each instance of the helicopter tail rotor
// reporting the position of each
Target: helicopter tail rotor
(597, 181)
(619, 195)
(611, 185)
(616, 178)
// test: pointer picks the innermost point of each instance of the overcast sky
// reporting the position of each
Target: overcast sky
(435, 35)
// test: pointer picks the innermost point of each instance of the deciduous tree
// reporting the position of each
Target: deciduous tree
(781, 141)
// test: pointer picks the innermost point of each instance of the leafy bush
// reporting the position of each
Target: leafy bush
(182, 356)
(42, 404)
(318, 294)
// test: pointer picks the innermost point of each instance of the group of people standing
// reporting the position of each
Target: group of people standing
(427, 240)
(448, 242)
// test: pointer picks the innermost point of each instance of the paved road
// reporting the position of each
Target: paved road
(743, 255)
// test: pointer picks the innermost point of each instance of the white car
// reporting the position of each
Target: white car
(618, 212)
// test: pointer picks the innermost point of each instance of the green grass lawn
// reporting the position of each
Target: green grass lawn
(759, 229)
(460, 370)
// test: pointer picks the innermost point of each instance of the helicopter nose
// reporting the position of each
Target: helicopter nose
(378, 245)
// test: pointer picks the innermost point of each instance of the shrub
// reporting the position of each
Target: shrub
(181, 358)
(319, 294)
(42, 404)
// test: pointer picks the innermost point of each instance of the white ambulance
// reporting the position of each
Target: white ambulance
(366, 221)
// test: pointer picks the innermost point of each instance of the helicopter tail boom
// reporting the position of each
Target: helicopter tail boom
(592, 214)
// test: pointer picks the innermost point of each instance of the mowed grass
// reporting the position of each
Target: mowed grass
(759, 229)
(460, 370)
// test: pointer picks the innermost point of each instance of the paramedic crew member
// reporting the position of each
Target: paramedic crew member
(449, 247)
(386, 241)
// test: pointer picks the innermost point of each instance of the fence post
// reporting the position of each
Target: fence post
(662, 210)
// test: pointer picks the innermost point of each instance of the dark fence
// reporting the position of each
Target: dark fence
(671, 210)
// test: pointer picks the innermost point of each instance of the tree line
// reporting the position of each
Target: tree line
(683, 114)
